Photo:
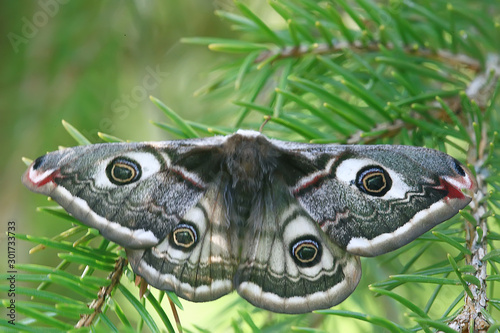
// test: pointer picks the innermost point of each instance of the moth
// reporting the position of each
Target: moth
(283, 223)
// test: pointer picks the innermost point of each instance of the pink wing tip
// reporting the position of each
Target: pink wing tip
(38, 178)
(459, 186)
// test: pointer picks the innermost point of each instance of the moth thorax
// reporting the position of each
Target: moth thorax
(249, 164)
(249, 160)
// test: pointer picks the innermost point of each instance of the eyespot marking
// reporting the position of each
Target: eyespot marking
(306, 251)
(184, 236)
(373, 180)
(123, 171)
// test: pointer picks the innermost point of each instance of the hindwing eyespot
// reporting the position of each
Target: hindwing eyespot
(184, 236)
(123, 171)
(373, 180)
(306, 251)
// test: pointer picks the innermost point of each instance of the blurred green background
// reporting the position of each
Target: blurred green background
(91, 63)
(94, 64)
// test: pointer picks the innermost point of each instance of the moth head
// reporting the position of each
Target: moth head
(249, 154)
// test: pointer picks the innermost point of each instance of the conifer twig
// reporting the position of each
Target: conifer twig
(471, 316)
(176, 315)
(444, 56)
(104, 292)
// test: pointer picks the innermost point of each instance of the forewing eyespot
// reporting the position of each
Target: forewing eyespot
(123, 171)
(373, 180)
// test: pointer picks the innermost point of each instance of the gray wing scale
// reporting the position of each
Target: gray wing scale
(424, 187)
(269, 275)
(134, 215)
(202, 271)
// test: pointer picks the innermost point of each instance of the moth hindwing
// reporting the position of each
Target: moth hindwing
(280, 222)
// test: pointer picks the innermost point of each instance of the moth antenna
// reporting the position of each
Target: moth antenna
(266, 120)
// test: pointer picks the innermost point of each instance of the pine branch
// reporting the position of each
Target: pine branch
(335, 47)
(480, 89)
(105, 292)
(471, 315)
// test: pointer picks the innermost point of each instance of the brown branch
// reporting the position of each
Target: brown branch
(388, 130)
(482, 86)
(476, 242)
(444, 56)
(176, 315)
(104, 292)
(480, 90)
